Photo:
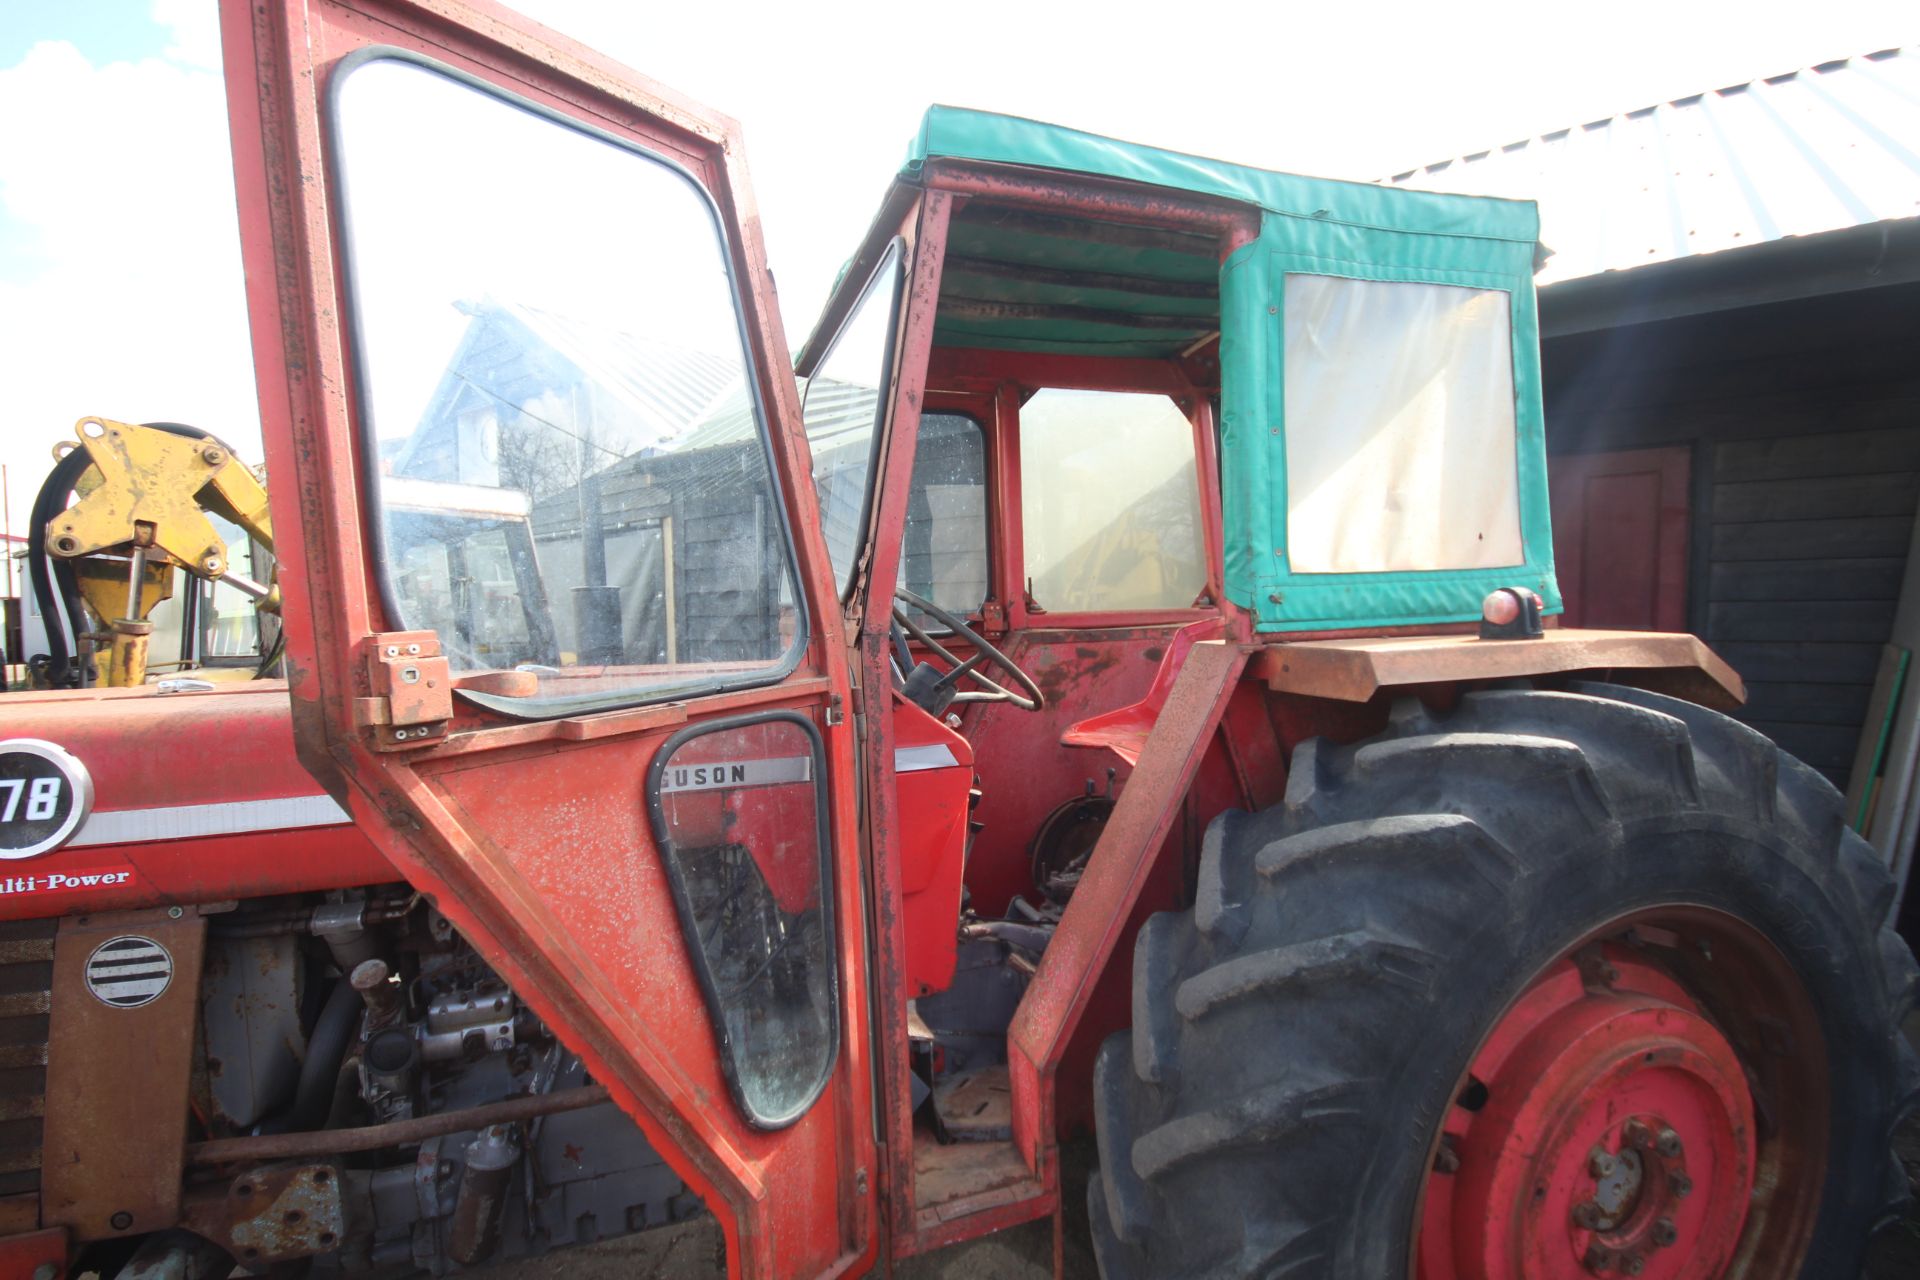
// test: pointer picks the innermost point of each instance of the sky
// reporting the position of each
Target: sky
(120, 281)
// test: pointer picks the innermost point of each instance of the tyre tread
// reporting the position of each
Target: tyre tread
(1332, 920)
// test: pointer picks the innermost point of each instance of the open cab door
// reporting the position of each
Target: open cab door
(560, 625)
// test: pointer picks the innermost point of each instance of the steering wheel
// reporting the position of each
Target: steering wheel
(929, 688)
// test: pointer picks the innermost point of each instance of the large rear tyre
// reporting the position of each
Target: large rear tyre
(1553, 985)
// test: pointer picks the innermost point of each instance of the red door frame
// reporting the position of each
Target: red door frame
(1084, 944)
(984, 409)
(870, 613)
(770, 1191)
(1012, 378)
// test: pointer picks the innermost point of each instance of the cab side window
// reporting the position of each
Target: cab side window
(943, 552)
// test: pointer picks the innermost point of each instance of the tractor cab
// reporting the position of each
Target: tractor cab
(1076, 409)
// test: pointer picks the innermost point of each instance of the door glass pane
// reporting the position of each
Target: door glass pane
(843, 412)
(1400, 427)
(571, 467)
(943, 553)
(739, 811)
(1109, 502)
(232, 630)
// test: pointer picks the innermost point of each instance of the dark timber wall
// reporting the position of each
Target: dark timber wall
(1803, 419)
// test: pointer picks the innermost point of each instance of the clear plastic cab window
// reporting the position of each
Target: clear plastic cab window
(1399, 427)
(571, 470)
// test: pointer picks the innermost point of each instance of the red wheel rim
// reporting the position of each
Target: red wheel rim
(1624, 1117)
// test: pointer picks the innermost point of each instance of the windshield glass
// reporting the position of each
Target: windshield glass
(572, 470)
(843, 412)
(1109, 502)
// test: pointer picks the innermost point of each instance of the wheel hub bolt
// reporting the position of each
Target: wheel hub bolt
(1637, 1134)
(1664, 1233)
(1633, 1264)
(1598, 1258)
(1601, 1163)
(1668, 1143)
(1586, 1214)
(1682, 1185)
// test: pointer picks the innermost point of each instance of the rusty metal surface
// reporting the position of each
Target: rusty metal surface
(1102, 904)
(1254, 746)
(116, 1127)
(976, 1106)
(26, 977)
(1354, 670)
(177, 1255)
(1088, 674)
(925, 229)
(272, 1214)
(1200, 217)
(127, 654)
(407, 671)
(969, 1188)
(376, 1137)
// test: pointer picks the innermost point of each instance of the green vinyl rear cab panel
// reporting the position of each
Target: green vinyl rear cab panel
(1412, 480)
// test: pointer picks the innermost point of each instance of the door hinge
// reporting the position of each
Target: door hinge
(412, 689)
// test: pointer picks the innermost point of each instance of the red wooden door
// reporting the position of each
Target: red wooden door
(1620, 537)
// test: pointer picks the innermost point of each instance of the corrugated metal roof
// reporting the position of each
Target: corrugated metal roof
(656, 394)
(671, 387)
(1832, 146)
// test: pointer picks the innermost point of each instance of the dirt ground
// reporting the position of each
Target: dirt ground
(693, 1250)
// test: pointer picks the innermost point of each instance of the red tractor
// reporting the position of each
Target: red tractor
(1123, 691)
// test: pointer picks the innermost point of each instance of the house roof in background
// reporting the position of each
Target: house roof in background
(1832, 146)
(664, 384)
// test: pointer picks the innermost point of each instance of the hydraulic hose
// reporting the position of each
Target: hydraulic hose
(62, 610)
(326, 1049)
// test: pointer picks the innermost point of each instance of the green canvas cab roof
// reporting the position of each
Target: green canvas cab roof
(1018, 280)
(1050, 254)
(961, 134)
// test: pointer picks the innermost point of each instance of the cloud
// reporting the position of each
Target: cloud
(195, 31)
(121, 292)
(120, 283)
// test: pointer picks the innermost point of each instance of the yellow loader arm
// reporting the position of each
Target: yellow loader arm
(147, 495)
